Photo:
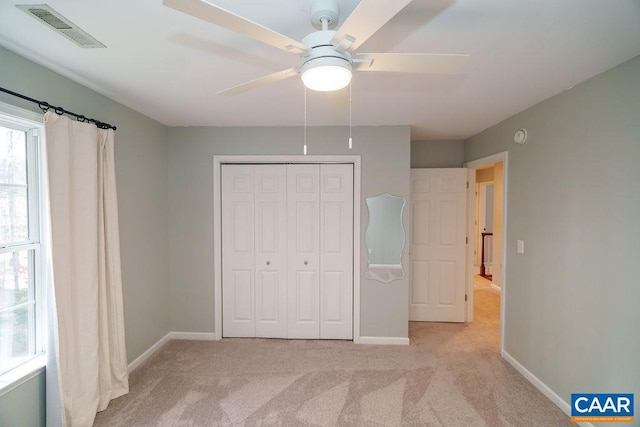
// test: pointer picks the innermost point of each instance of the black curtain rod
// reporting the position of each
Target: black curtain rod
(45, 106)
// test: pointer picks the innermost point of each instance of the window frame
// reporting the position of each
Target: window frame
(32, 124)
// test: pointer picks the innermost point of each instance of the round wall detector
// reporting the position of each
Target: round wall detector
(520, 136)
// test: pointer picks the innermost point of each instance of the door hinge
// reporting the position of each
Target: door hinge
(467, 184)
(466, 240)
(465, 297)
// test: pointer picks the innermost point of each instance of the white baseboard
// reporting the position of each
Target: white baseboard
(209, 336)
(147, 354)
(195, 336)
(557, 400)
(496, 287)
(384, 340)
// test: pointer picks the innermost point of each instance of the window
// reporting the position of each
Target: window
(21, 290)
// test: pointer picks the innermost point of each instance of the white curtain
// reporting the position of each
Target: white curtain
(88, 324)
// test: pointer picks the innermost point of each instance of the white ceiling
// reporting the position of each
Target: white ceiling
(169, 66)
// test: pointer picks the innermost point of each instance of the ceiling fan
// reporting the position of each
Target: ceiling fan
(327, 57)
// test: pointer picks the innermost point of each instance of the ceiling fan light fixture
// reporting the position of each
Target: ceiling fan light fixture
(326, 74)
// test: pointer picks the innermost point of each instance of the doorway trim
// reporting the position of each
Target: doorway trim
(218, 161)
(472, 166)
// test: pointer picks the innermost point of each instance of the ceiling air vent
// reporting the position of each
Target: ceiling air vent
(45, 14)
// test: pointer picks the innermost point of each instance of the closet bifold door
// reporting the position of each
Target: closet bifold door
(320, 234)
(287, 251)
(254, 262)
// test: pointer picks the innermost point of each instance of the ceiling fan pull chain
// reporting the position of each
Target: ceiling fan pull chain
(350, 120)
(304, 147)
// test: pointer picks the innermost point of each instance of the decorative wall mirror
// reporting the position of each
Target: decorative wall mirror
(385, 238)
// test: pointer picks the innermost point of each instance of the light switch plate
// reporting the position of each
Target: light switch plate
(520, 248)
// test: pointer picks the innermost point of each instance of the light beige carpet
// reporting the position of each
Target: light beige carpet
(450, 375)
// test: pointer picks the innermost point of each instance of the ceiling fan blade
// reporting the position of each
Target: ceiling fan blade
(262, 81)
(229, 20)
(410, 62)
(367, 18)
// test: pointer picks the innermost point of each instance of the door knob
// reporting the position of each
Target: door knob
(268, 263)
(306, 262)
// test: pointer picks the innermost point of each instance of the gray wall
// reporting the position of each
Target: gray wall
(437, 154)
(24, 406)
(572, 299)
(141, 174)
(385, 155)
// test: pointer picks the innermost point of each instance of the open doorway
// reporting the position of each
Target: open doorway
(487, 231)
(487, 213)
(432, 222)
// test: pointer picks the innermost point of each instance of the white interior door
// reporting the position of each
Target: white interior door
(438, 243)
(238, 255)
(336, 251)
(303, 200)
(270, 251)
